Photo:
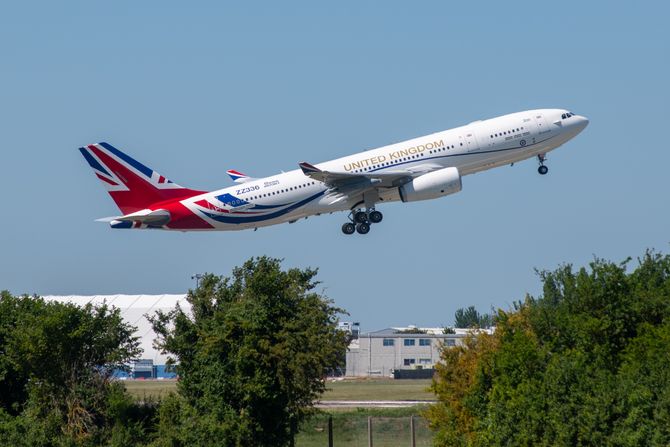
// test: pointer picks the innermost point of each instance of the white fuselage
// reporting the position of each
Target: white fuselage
(475, 147)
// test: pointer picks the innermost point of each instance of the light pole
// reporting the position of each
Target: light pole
(197, 277)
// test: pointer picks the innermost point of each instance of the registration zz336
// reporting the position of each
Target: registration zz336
(248, 189)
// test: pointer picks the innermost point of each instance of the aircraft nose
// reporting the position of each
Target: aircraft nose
(582, 122)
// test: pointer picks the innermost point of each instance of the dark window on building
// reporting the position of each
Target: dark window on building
(409, 362)
(424, 342)
(450, 342)
(409, 341)
(389, 342)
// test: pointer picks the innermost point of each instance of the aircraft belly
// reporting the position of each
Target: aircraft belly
(477, 162)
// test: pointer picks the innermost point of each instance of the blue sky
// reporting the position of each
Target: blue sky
(194, 88)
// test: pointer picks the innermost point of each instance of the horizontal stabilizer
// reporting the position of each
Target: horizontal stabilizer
(156, 217)
(107, 219)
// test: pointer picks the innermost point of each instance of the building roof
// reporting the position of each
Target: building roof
(426, 332)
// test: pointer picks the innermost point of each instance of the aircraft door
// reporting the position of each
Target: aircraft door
(470, 140)
(541, 124)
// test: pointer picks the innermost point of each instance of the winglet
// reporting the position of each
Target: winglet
(237, 176)
(308, 169)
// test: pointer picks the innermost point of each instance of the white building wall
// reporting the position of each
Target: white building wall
(134, 309)
(369, 357)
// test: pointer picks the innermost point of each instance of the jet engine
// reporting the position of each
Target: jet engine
(432, 185)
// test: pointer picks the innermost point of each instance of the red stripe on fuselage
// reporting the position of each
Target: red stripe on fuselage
(182, 218)
(210, 206)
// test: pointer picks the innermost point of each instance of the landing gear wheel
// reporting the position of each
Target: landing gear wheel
(360, 217)
(363, 228)
(543, 170)
(348, 228)
(375, 216)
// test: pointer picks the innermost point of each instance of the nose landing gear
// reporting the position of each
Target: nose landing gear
(360, 221)
(542, 169)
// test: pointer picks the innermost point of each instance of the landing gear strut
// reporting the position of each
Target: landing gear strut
(542, 169)
(360, 221)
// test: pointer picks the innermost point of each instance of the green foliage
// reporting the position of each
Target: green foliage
(585, 364)
(471, 318)
(390, 427)
(55, 368)
(251, 357)
(411, 330)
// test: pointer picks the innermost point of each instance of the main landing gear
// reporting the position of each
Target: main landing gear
(542, 169)
(361, 220)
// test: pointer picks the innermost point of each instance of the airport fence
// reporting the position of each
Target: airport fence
(357, 430)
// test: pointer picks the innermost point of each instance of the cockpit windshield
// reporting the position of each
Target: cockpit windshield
(567, 115)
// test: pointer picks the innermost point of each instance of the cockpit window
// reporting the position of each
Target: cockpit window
(567, 115)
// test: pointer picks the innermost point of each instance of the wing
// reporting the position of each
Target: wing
(344, 185)
(337, 179)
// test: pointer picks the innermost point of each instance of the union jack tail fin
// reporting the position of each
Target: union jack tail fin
(132, 185)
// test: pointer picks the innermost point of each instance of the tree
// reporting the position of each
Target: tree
(55, 370)
(411, 330)
(251, 356)
(470, 318)
(584, 364)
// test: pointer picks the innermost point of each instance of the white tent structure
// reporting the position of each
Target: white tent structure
(134, 309)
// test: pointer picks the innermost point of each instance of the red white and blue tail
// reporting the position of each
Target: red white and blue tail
(132, 185)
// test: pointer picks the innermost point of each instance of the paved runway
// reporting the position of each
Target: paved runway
(371, 403)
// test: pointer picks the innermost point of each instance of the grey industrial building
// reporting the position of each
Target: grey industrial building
(380, 353)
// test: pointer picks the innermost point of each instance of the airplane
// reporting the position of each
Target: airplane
(422, 168)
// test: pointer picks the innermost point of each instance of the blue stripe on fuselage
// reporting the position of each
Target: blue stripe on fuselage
(233, 201)
(249, 219)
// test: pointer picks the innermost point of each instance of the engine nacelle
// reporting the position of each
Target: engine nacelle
(432, 185)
